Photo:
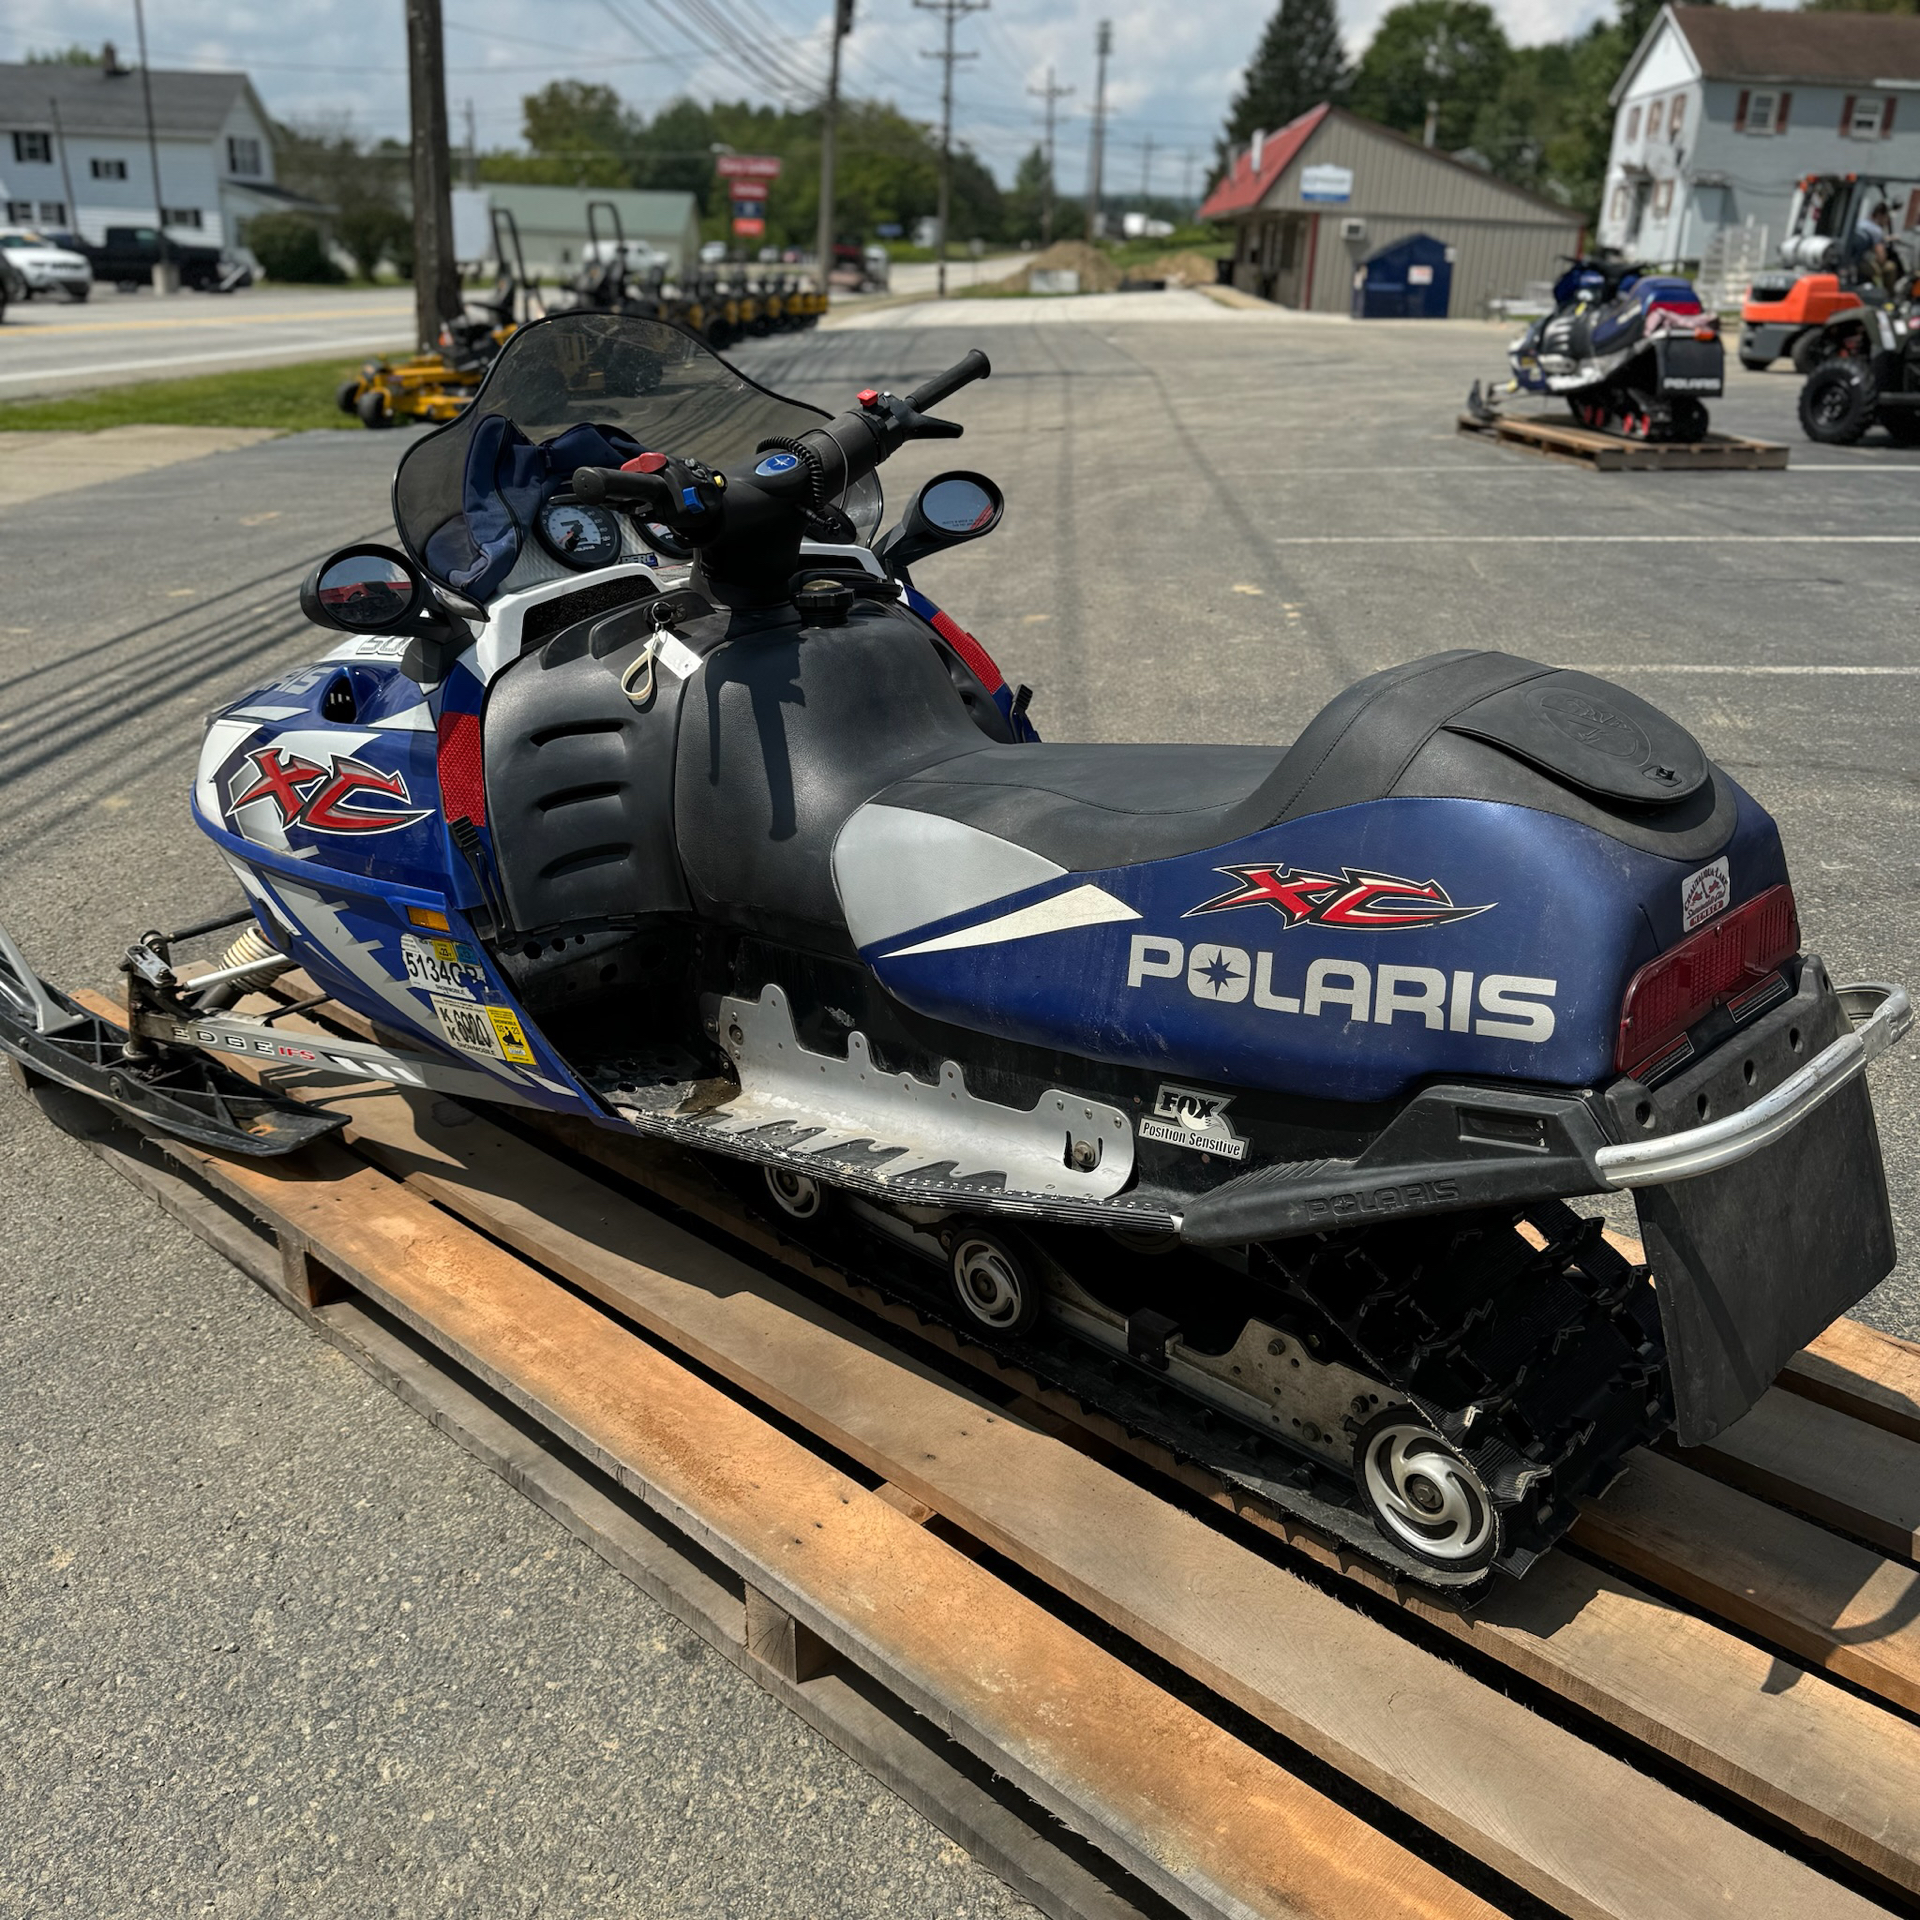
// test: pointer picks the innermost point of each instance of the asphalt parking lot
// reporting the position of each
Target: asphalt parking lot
(275, 1646)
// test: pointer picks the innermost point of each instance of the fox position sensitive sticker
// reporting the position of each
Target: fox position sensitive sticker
(1704, 894)
(1191, 1117)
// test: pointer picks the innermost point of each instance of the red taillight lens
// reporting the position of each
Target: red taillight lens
(1670, 994)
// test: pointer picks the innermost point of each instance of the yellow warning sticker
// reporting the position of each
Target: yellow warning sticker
(513, 1042)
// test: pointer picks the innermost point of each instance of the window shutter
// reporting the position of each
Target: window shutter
(1886, 118)
(1780, 113)
(1740, 112)
(1846, 114)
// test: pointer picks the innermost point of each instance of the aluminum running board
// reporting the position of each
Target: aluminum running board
(895, 1137)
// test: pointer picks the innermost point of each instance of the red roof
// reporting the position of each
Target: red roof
(1243, 188)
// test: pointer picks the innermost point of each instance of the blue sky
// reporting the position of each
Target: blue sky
(1174, 67)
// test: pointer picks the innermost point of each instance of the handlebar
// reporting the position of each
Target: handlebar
(943, 386)
(615, 486)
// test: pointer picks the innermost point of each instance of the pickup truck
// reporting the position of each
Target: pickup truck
(128, 256)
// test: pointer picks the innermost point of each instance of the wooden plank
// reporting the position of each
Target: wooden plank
(1821, 1461)
(1861, 1371)
(1504, 1784)
(1034, 1854)
(1611, 453)
(1192, 1811)
(1832, 1603)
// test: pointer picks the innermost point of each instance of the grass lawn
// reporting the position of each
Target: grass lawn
(291, 398)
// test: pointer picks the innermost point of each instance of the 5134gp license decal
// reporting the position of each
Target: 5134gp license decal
(493, 1033)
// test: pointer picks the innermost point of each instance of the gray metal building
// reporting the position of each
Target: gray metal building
(1314, 202)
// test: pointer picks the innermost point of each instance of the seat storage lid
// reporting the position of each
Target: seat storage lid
(1594, 736)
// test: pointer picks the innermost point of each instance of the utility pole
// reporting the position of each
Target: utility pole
(950, 12)
(1102, 46)
(1049, 93)
(1186, 179)
(829, 117)
(436, 279)
(164, 280)
(66, 169)
(473, 149)
(1146, 172)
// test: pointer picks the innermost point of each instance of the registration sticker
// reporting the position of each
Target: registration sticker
(1704, 894)
(442, 966)
(494, 1033)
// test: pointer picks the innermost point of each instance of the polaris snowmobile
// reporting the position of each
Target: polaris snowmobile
(1239, 1090)
(1631, 352)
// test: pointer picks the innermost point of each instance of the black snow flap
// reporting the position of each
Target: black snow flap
(1752, 1262)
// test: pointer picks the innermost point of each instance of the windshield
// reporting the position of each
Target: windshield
(580, 389)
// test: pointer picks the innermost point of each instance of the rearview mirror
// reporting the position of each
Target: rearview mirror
(362, 590)
(949, 510)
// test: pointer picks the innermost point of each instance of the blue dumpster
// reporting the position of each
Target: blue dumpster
(1410, 280)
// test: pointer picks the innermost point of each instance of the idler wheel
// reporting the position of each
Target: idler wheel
(993, 1282)
(797, 1195)
(1423, 1495)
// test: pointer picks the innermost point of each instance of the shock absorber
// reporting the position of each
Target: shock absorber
(249, 964)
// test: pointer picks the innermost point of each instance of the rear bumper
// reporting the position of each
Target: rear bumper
(1879, 1015)
(1769, 339)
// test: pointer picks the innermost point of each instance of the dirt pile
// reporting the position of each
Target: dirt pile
(1097, 273)
(1180, 270)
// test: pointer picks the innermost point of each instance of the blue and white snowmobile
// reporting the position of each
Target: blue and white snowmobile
(1238, 1089)
(1630, 351)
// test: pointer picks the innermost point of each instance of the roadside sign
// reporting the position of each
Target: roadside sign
(747, 166)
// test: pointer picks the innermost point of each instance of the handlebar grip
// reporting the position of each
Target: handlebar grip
(976, 366)
(613, 486)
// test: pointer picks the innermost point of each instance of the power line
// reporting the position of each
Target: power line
(1049, 93)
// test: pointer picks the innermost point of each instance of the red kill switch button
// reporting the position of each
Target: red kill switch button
(646, 463)
(868, 396)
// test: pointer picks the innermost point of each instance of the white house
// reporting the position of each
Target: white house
(1722, 111)
(74, 152)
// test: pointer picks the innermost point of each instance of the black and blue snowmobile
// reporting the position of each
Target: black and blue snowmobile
(1632, 352)
(1239, 1090)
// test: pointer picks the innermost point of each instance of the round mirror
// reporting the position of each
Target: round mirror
(959, 505)
(366, 591)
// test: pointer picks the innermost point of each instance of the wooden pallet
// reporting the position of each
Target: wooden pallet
(1560, 439)
(1121, 1696)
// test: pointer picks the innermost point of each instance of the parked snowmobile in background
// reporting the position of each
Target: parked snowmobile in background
(1630, 351)
(1239, 1090)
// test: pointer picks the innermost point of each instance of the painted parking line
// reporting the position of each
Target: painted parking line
(1668, 666)
(1596, 539)
(298, 316)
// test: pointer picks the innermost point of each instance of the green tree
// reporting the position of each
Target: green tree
(364, 189)
(289, 246)
(1299, 62)
(73, 56)
(1448, 51)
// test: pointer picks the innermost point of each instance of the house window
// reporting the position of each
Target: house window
(109, 169)
(32, 148)
(1763, 110)
(1633, 125)
(181, 217)
(53, 213)
(1662, 199)
(19, 212)
(1653, 121)
(1867, 118)
(1617, 213)
(243, 156)
(1677, 115)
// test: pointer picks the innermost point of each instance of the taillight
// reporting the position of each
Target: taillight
(1736, 953)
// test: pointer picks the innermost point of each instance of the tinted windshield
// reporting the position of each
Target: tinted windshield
(632, 380)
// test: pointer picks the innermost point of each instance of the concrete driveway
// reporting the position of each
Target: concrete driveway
(272, 1645)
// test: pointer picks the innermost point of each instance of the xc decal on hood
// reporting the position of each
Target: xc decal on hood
(334, 798)
(1355, 899)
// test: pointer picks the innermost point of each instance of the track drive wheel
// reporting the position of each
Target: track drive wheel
(1836, 404)
(1689, 419)
(1422, 1495)
(798, 1195)
(374, 408)
(993, 1281)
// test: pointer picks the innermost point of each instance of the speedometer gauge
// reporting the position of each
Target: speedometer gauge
(578, 535)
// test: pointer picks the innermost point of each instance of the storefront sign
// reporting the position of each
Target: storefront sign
(1326, 183)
